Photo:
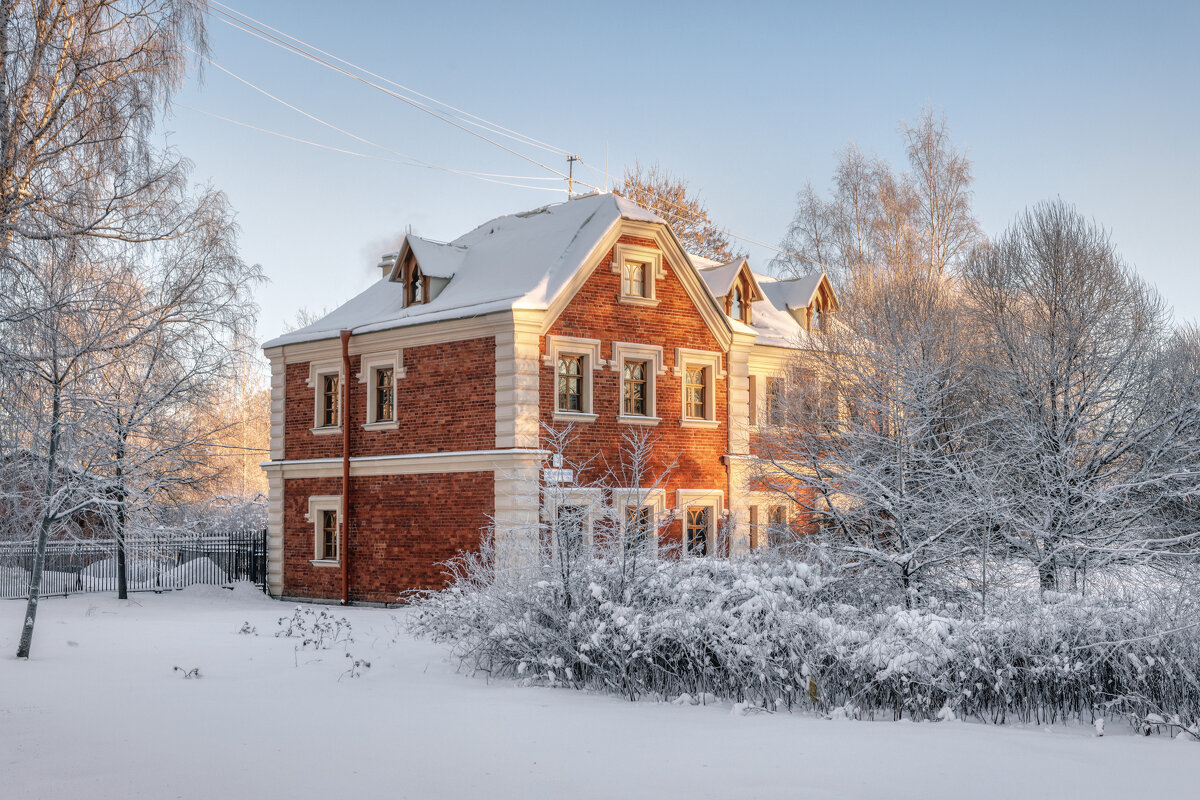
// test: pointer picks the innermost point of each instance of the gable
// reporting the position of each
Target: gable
(660, 237)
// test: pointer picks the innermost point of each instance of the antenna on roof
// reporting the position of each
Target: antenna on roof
(571, 175)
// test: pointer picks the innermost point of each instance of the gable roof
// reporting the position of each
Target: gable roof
(720, 278)
(520, 260)
(774, 316)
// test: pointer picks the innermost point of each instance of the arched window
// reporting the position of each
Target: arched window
(414, 286)
(735, 302)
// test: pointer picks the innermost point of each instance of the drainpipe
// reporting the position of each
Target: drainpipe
(346, 417)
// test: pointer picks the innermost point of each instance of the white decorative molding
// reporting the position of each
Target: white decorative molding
(589, 351)
(367, 365)
(710, 362)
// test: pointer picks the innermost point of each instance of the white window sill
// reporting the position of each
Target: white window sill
(574, 416)
(327, 431)
(633, 300)
(699, 423)
(382, 425)
(631, 419)
(324, 562)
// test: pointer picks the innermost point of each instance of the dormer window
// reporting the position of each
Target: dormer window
(416, 288)
(735, 303)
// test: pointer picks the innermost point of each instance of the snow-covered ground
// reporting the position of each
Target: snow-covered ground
(99, 712)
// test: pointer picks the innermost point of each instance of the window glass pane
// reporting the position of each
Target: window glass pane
(570, 383)
(638, 526)
(383, 394)
(694, 393)
(330, 400)
(635, 388)
(635, 279)
(329, 541)
(697, 530)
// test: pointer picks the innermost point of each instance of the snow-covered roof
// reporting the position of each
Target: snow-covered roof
(720, 278)
(517, 261)
(772, 317)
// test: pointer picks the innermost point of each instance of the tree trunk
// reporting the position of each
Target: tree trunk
(39, 559)
(122, 579)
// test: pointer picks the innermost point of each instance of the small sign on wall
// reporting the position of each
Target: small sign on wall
(558, 475)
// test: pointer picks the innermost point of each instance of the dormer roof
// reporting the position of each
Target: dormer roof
(721, 278)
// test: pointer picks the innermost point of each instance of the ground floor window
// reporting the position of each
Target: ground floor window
(778, 531)
(698, 530)
(570, 524)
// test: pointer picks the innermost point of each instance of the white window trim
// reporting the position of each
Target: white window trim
(655, 499)
(653, 355)
(589, 350)
(316, 371)
(714, 499)
(592, 501)
(366, 375)
(317, 504)
(654, 271)
(711, 362)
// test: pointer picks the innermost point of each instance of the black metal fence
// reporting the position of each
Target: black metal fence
(152, 563)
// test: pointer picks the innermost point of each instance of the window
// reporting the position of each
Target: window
(378, 372)
(634, 279)
(755, 538)
(570, 383)
(634, 389)
(735, 303)
(325, 379)
(694, 392)
(638, 268)
(330, 400)
(639, 366)
(325, 512)
(416, 286)
(697, 527)
(384, 386)
(639, 522)
(329, 535)
(777, 528)
(698, 372)
(573, 361)
(774, 401)
(569, 522)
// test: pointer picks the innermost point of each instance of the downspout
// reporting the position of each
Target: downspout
(346, 417)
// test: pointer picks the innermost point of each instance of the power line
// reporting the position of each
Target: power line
(261, 30)
(490, 178)
(466, 115)
(278, 42)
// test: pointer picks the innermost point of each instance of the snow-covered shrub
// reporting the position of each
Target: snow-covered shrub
(774, 633)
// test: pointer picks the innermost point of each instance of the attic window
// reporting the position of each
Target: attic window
(638, 268)
(416, 286)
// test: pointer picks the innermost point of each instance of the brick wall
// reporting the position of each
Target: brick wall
(594, 313)
(401, 527)
(446, 402)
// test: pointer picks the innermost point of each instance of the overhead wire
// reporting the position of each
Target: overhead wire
(278, 42)
(483, 176)
(465, 115)
(261, 30)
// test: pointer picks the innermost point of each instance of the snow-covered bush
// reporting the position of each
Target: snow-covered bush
(776, 633)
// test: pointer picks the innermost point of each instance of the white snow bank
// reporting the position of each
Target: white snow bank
(413, 727)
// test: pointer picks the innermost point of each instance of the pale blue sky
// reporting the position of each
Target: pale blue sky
(1096, 103)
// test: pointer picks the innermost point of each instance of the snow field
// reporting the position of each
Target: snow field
(99, 712)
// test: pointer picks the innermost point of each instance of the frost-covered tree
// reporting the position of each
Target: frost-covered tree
(668, 196)
(1074, 367)
(876, 437)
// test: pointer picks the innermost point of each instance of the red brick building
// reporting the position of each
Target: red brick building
(408, 419)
